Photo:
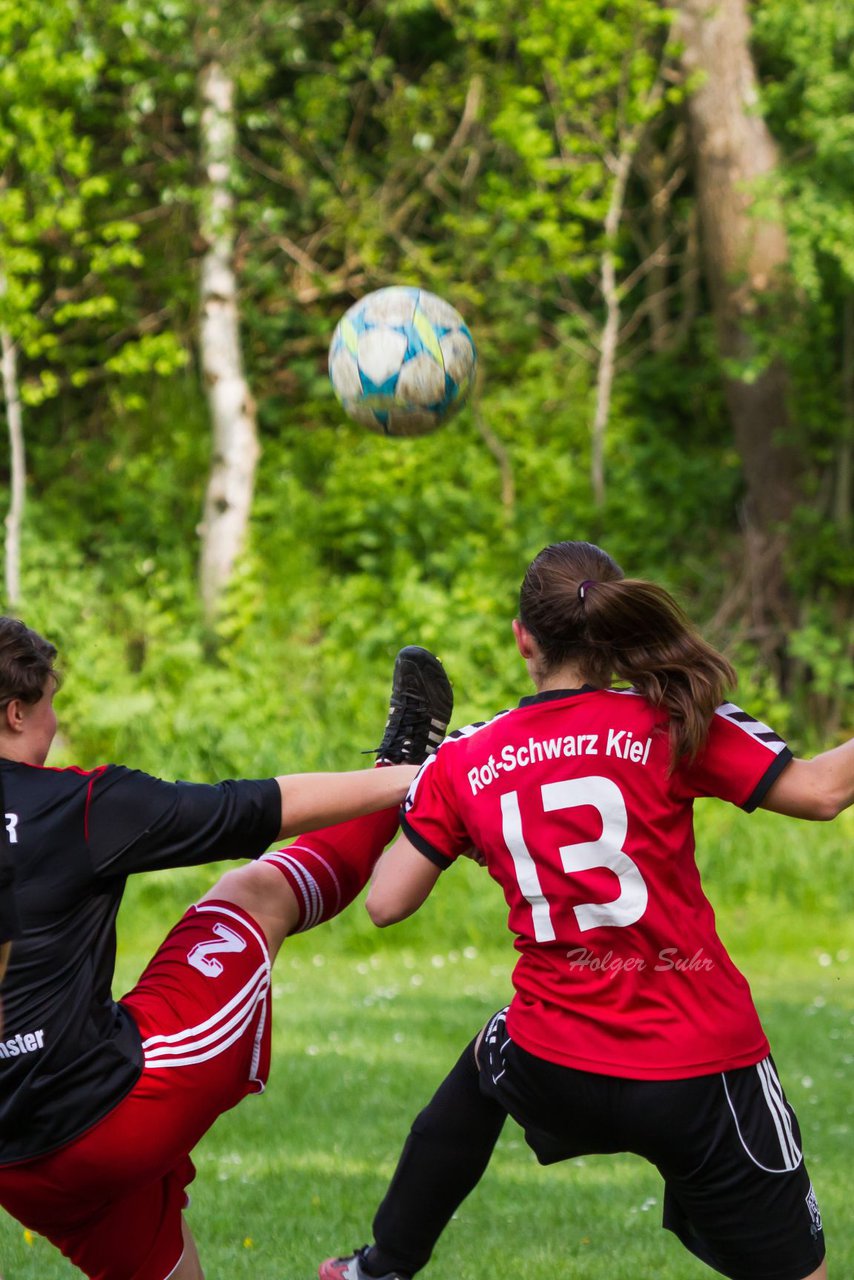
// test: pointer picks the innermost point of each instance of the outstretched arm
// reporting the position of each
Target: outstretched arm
(402, 880)
(818, 789)
(312, 800)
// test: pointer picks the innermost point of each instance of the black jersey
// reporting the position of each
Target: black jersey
(68, 1051)
(10, 924)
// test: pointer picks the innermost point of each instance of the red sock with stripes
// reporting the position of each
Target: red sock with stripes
(327, 869)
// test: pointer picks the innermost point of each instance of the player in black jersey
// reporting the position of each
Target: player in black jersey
(101, 1101)
(9, 924)
(9, 929)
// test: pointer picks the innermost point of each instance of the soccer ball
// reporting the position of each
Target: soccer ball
(401, 361)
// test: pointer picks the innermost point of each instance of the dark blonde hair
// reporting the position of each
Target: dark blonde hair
(579, 607)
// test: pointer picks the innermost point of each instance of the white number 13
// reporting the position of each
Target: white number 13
(604, 796)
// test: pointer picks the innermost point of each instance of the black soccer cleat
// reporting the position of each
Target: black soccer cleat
(419, 710)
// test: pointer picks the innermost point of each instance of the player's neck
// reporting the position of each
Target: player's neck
(568, 676)
(13, 749)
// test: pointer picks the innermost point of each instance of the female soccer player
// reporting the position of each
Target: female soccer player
(630, 1028)
(9, 923)
(102, 1101)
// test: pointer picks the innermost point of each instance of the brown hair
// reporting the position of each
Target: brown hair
(26, 662)
(579, 607)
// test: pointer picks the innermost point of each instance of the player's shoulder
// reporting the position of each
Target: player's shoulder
(623, 707)
(459, 737)
(70, 776)
(68, 783)
(734, 720)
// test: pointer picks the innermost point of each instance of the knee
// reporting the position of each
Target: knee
(264, 894)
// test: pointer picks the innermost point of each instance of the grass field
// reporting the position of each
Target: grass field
(366, 1025)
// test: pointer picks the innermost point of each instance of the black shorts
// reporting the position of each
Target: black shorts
(737, 1192)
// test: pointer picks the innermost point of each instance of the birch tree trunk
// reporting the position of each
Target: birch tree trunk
(611, 329)
(844, 486)
(228, 501)
(15, 514)
(743, 255)
(620, 162)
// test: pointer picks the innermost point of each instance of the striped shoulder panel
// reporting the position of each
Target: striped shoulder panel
(469, 729)
(750, 725)
(466, 732)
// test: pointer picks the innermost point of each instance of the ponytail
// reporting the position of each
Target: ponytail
(651, 644)
(579, 608)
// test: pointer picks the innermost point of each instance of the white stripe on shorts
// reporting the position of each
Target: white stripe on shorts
(773, 1091)
(780, 1118)
(213, 1036)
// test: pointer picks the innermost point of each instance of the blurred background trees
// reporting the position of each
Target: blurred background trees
(644, 213)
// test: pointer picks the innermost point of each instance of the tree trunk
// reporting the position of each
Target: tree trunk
(845, 457)
(609, 337)
(15, 514)
(228, 502)
(743, 257)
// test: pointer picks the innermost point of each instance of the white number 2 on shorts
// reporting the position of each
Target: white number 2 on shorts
(604, 796)
(203, 955)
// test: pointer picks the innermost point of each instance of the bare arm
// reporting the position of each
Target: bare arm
(313, 800)
(402, 881)
(818, 789)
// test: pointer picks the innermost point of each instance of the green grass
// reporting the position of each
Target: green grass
(366, 1025)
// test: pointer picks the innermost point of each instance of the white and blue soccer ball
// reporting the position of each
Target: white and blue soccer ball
(401, 361)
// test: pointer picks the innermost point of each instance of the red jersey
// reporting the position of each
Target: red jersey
(570, 799)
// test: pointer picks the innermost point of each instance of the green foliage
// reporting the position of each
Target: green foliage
(809, 102)
(65, 251)
(468, 147)
(806, 51)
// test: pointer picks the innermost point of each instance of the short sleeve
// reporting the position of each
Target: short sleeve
(135, 822)
(740, 761)
(430, 818)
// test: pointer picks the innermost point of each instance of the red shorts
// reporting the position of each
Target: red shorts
(112, 1200)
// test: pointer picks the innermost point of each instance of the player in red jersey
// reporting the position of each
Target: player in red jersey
(630, 1028)
(102, 1101)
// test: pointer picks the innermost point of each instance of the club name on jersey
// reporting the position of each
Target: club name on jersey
(618, 743)
(29, 1042)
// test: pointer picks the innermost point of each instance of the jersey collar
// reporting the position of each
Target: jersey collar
(552, 695)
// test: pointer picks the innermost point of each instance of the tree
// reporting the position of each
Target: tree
(182, 68)
(17, 464)
(746, 258)
(581, 86)
(43, 167)
(228, 500)
(64, 253)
